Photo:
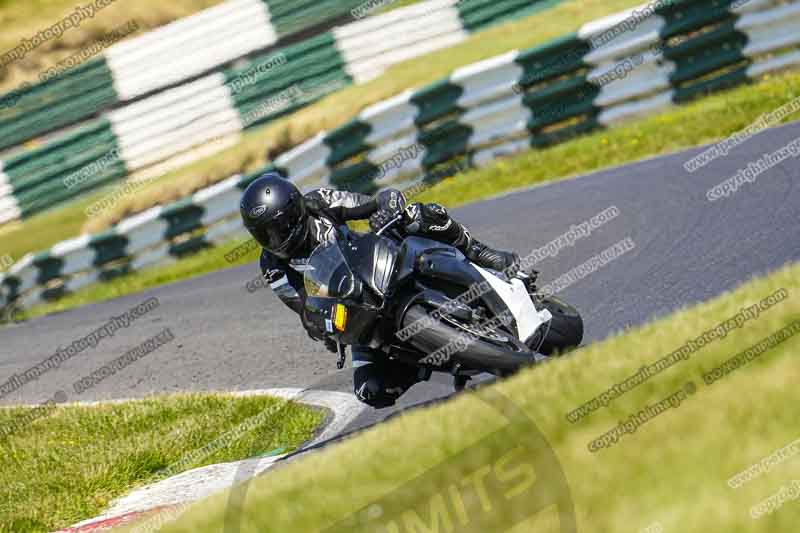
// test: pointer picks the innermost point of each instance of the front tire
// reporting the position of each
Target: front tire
(566, 327)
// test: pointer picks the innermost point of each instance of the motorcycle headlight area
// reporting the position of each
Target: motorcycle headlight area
(349, 322)
(328, 314)
(339, 283)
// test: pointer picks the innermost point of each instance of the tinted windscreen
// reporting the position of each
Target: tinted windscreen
(328, 274)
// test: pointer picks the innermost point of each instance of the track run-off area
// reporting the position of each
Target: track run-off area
(686, 249)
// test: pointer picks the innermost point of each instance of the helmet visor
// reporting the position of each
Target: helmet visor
(279, 232)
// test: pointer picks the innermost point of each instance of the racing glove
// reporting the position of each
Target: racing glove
(391, 203)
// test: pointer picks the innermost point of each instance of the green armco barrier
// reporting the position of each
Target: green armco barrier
(313, 90)
(559, 90)
(182, 217)
(727, 80)
(290, 17)
(552, 60)
(61, 164)
(308, 64)
(188, 246)
(91, 128)
(478, 14)
(48, 267)
(709, 54)
(92, 74)
(89, 88)
(300, 76)
(576, 107)
(347, 141)
(109, 246)
(359, 177)
(10, 286)
(58, 102)
(556, 89)
(436, 101)
(543, 140)
(684, 16)
(725, 33)
(58, 194)
(60, 114)
(444, 142)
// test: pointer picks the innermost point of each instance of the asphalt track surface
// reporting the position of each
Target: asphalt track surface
(687, 250)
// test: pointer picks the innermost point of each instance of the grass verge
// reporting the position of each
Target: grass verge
(70, 464)
(672, 471)
(701, 122)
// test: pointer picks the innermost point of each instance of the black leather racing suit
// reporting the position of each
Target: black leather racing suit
(377, 381)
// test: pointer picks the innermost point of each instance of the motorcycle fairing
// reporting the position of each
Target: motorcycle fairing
(360, 324)
(448, 264)
(373, 259)
(516, 297)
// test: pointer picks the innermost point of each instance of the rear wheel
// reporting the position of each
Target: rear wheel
(566, 327)
(443, 339)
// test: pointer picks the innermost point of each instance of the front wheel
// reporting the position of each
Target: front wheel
(566, 327)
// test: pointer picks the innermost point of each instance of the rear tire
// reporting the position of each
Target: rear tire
(479, 355)
(566, 327)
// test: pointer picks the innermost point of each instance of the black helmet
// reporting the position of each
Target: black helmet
(274, 213)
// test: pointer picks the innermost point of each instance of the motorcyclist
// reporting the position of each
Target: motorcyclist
(289, 226)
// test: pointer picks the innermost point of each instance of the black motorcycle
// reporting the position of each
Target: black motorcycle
(424, 303)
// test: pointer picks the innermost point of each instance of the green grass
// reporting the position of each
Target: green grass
(703, 121)
(673, 470)
(392, 5)
(69, 465)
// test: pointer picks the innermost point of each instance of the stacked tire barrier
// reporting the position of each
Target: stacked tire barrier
(34, 180)
(146, 239)
(370, 46)
(623, 66)
(631, 64)
(30, 180)
(178, 119)
(157, 59)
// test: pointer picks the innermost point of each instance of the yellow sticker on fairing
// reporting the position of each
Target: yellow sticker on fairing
(340, 317)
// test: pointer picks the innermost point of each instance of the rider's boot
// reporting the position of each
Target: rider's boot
(433, 221)
(486, 257)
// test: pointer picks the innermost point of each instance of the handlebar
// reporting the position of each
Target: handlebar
(391, 223)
